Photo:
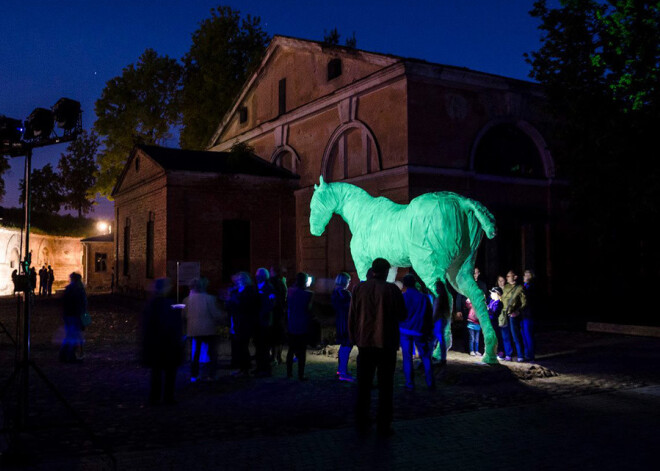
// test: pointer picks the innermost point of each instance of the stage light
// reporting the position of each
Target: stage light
(39, 125)
(11, 131)
(67, 113)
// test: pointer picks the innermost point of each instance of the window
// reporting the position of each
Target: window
(127, 246)
(506, 150)
(242, 114)
(100, 262)
(334, 68)
(150, 249)
(282, 96)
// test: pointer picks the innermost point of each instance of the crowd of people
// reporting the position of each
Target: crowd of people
(377, 317)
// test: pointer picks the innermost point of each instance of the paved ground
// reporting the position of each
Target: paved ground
(590, 402)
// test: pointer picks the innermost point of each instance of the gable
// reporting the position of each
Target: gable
(304, 67)
(139, 169)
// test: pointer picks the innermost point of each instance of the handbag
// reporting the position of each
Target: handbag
(85, 319)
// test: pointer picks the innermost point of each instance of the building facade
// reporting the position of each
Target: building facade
(227, 212)
(64, 254)
(98, 263)
(399, 128)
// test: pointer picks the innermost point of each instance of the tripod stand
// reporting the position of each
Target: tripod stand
(17, 454)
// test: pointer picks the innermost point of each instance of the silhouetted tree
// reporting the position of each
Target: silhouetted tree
(78, 170)
(138, 107)
(225, 50)
(45, 190)
(600, 65)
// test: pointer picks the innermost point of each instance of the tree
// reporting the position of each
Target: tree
(599, 63)
(78, 170)
(138, 107)
(4, 166)
(225, 50)
(332, 38)
(45, 190)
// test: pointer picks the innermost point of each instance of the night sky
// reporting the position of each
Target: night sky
(50, 49)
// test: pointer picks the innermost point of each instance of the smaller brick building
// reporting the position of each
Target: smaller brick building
(98, 262)
(229, 212)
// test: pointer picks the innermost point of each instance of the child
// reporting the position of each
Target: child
(494, 311)
(473, 328)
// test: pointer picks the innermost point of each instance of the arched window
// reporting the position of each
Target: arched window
(334, 68)
(352, 151)
(506, 150)
(286, 157)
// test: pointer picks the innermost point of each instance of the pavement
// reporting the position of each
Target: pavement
(590, 402)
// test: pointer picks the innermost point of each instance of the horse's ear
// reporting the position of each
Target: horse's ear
(321, 182)
(316, 187)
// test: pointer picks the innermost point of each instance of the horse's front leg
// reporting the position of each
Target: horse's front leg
(360, 258)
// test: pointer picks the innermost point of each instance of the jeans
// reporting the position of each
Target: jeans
(372, 361)
(514, 324)
(474, 340)
(343, 356)
(211, 343)
(527, 328)
(440, 351)
(424, 348)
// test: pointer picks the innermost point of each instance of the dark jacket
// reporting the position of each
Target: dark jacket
(420, 313)
(341, 303)
(268, 299)
(74, 300)
(162, 334)
(300, 310)
(244, 308)
(376, 309)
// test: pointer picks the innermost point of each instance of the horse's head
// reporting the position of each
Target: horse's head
(321, 208)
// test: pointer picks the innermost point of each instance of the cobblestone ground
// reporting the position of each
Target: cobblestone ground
(581, 383)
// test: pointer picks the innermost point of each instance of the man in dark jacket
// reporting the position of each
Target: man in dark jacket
(376, 309)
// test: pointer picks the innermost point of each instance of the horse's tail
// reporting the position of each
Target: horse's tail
(485, 217)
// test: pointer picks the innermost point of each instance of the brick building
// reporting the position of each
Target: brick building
(229, 212)
(398, 128)
(98, 262)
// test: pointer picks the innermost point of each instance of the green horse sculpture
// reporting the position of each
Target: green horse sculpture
(437, 234)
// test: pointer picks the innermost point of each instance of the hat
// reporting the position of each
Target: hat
(497, 290)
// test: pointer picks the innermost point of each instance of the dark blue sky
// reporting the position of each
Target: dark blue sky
(50, 49)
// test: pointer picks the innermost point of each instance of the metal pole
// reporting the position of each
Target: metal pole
(23, 399)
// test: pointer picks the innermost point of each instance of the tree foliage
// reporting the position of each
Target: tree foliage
(45, 190)
(332, 37)
(77, 168)
(4, 166)
(138, 107)
(225, 49)
(600, 65)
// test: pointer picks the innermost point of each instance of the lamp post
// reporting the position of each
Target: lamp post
(19, 139)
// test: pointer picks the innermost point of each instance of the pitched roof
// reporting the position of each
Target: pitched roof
(214, 162)
(99, 238)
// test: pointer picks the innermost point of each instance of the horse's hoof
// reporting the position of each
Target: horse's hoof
(490, 359)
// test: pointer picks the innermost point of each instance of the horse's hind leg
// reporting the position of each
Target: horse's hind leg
(467, 286)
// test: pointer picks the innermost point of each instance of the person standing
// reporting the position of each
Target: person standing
(376, 309)
(300, 315)
(527, 315)
(202, 315)
(415, 331)
(161, 342)
(51, 279)
(243, 306)
(441, 323)
(74, 306)
(474, 329)
(43, 281)
(513, 301)
(279, 314)
(341, 302)
(263, 337)
(494, 311)
(33, 279)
